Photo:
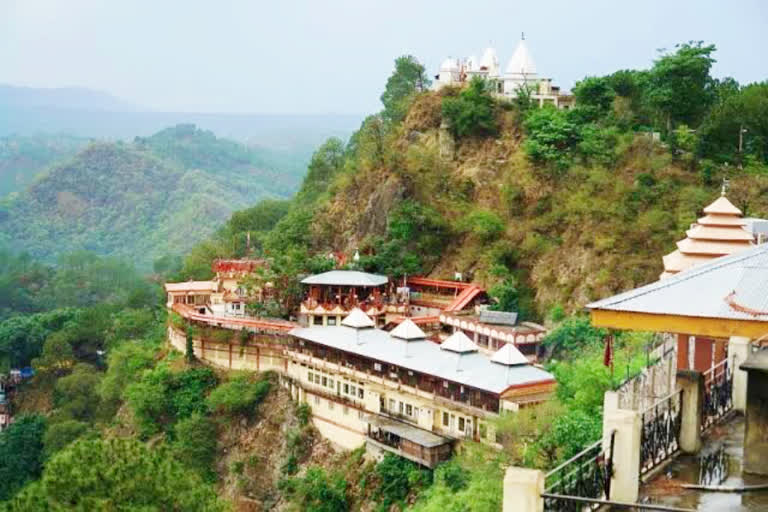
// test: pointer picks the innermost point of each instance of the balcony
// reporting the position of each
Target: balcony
(406, 441)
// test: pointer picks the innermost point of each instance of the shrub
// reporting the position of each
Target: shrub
(473, 111)
(319, 492)
(60, 434)
(398, 477)
(484, 224)
(238, 396)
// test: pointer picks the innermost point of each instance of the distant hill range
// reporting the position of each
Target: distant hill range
(141, 199)
(87, 113)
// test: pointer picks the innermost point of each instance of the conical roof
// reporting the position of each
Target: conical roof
(407, 330)
(509, 355)
(521, 62)
(722, 206)
(459, 342)
(357, 319)
(719, 233)
(490, 61)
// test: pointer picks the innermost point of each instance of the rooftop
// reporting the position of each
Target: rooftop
(475, 369)
(731, 287)
(346, 278)
(192, 286)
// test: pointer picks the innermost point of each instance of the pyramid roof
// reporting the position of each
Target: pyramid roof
(357, 319)
(407, 330)
(459, 342)
(509, 355)
(724, 233)
(722, 206)
(521, 62)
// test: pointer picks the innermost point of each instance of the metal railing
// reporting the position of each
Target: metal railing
(718, 394)
(660, 434)
(585, 475)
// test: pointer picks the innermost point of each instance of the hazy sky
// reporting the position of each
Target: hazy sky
(328, 56)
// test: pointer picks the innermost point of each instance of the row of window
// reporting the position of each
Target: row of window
(403, 409)
(332, 406)
(338, 386)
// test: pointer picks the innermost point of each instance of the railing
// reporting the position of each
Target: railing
(660, 434)
(718, 389)
(586, 475)
(713, 467)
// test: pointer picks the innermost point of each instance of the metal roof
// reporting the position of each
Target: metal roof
(702, 290)
(346, 278)
(498, 317)
(407, 330)
(357, 319)
(424, 356)
(416, 435)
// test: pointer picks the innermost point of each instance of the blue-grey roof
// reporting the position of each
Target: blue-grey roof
(471, 369)
(346, 278)
(498, 317)
(702, 290)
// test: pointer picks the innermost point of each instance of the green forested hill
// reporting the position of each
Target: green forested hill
(23, 158)
(142, 200)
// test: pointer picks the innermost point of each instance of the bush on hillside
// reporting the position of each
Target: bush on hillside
(239, 396)
(473, 111)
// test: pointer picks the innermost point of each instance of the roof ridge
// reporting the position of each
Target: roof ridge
(680, 277)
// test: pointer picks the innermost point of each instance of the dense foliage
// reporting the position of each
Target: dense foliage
(145, 200)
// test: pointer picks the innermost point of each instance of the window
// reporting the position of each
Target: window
(400, 409)
(445, 419)
(330, 383)
(346, 388)
(360, 392)
(453, 420)
(461, 424)
(331, 320)
(409, 409)
(377, 367)
(311, 377)
(325, 381)
(352, 390)
(391, 405)
(317, 320)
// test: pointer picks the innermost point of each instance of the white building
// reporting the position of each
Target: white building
(519, 73)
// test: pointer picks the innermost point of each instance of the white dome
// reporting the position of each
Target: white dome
(521, 62)
(449, 64)
(490, 60)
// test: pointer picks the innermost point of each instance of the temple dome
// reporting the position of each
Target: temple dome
(521, 62)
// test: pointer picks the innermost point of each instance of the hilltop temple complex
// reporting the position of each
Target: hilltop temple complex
(408, 366)
(519, 73)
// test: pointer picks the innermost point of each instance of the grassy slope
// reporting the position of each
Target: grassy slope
(588, 234)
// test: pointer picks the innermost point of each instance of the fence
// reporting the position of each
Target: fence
(586, 475)
(718, 394)
(660, 435)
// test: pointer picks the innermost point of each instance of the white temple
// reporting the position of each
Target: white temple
(520, 72)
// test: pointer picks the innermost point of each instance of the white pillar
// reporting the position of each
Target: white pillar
(692, 384)
(522, 490)
(738, 352)
(625, 483)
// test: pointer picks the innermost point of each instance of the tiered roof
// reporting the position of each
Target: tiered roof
(719, 233)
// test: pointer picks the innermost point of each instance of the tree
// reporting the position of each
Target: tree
(57, 357)
(195, 444)
(21, 453)
(409, 77)
(62, 433)
(319, 492)
(473, 111)
(116, 474)
(680, 86)
(76, 395)
(505, 290)
(595, 92)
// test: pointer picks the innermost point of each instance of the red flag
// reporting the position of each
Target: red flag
(608, 355)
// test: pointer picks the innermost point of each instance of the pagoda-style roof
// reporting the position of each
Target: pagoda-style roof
(509, 355)
(357, 319)
(459, 342)
(719, 233)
